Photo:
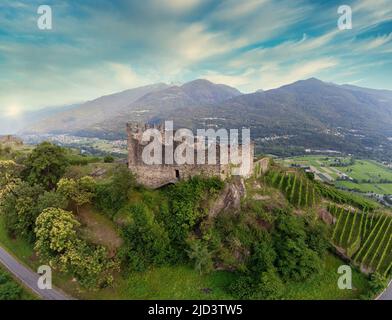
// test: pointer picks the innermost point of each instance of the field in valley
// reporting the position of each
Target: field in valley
(358, 175)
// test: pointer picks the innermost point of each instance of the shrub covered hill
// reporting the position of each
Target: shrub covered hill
(277, 235)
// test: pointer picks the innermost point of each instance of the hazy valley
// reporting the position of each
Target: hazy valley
(305, 115)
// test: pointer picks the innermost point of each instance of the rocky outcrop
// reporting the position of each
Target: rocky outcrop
(326, 217)
(230, 198)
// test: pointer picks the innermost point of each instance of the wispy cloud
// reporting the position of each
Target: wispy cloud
(98, 47)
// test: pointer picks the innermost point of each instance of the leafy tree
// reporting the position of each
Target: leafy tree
(56, 233)
(67, 187)
(9, 171)
(113, 195)
(260, 279)
(80, 191)
(59, 245)
(18, 204)
(186, 206)
(51, 199)
(146, 242)
(86, 188)
(317, 238)
(108, 159)
(46, 165)
(89, 264)
(266, 286)
(263, 257)
(295, 260)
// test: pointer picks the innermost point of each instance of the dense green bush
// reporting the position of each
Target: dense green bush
(113, 195)
(266, 286)
(186, 208)
(243, 287)
(18, 204)
(317, 238)
(269, 286)
(146, 242)
(9, 290)
(295, 260)
(51, 199)
(263, 256)
(377, 283)
(108, 159)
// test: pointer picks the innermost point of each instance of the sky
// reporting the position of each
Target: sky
(98, 47)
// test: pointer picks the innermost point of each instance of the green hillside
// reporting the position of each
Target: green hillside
(267, 237)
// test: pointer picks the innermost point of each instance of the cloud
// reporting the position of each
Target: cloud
(98, 47)
(375, 42)
(273, 76)
(197, 43)
(42, 90)
(237, 81)
(177, 6)
(234, 9)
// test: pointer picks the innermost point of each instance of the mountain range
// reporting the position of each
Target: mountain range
(307, 114)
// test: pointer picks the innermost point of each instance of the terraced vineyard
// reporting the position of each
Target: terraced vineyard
(344, 197)
(366, 238)
(299, 190)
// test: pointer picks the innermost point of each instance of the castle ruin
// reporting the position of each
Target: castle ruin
(158, 175)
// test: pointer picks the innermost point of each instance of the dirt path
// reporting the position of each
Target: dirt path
(99, 229)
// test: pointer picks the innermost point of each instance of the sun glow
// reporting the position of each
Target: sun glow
(13, 111)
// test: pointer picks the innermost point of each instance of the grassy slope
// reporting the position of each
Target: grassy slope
(182, 282)
(20, 248)
(324, 286)
(171, 282)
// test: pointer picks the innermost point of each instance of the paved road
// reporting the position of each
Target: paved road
(387, 295)
(29, 278)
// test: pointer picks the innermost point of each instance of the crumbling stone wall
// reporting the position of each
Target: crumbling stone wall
(9, 139)
(157, 175)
